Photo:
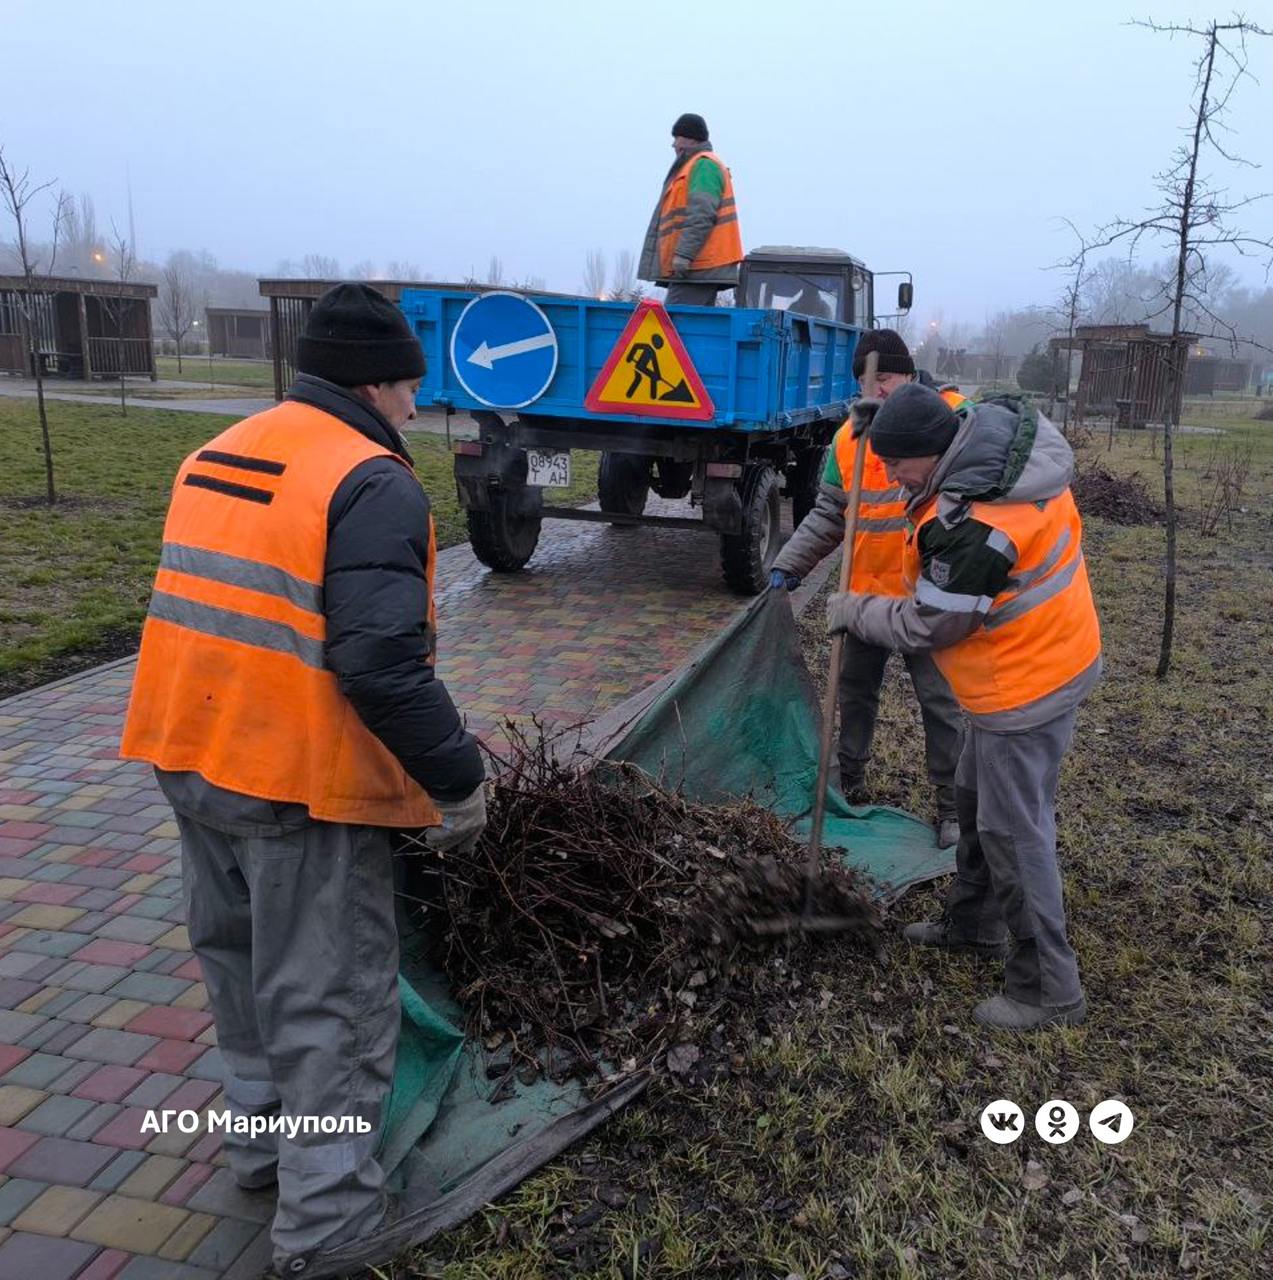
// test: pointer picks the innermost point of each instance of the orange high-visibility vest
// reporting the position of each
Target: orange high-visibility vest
(723, 246)
(1041, 630)
(231, 681)
(880, 539)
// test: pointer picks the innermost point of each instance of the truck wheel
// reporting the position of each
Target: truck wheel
(623, 483)
(747, 557)
(501, 540)
(805, 482)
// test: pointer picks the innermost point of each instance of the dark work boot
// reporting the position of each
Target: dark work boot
(853, 788)
(936, 933)
(1015, 1015)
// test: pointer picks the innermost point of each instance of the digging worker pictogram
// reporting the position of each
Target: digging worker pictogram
(644, 359)
(998, 592)
(879, 545)
(693, 245)
(285, 694)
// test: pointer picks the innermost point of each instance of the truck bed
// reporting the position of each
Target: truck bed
(764, 370)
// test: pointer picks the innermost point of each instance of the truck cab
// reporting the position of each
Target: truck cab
(827, 284)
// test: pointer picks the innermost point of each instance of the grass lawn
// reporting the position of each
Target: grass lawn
(844, 1138)
(75, 580)
(237, 373)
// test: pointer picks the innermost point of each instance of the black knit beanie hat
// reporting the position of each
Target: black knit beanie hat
(356, 337)
(890, 347)
(914, 422)
(690, 126)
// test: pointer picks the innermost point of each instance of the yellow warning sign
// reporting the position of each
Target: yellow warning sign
(649, 372)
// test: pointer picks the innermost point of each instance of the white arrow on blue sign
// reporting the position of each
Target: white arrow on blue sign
(504, 350)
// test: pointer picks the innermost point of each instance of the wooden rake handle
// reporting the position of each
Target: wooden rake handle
(866, 385)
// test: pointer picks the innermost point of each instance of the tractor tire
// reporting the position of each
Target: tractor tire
(501, 540)
(623, 483)
(747, 557)
(805, 483)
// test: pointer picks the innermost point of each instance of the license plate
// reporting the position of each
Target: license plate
(548, 468)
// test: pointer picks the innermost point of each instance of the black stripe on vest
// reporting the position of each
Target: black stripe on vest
(245, 491)
(243, 462)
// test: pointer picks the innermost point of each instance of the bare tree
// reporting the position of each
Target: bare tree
(124, 263)
(495, 270)
(402, 269)
(363, 270)
(624, 286)
(17, 192)
(83, 250)
(318, 266)
(1070, 305)
(1195, 218)
(594, 274)
(177, 301)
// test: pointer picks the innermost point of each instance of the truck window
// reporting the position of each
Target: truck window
(807, 295)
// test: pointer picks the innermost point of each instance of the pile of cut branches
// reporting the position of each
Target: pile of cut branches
(599, 908)
(1118, 499)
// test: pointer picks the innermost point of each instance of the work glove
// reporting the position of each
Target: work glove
(861, 414)
(462, 822)
(842, 611)
(680, 267)
(780, 579)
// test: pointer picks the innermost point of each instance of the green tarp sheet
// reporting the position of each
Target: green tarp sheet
(742, 718)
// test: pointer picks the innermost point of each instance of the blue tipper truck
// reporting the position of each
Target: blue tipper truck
(731, 406)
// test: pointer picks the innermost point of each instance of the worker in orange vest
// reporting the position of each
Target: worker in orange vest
(879, 543)
(693, 246)
(999, 594)
(285, 694)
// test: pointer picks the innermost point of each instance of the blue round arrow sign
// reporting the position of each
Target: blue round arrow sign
(503, 350)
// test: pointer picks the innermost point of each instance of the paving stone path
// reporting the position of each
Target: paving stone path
(102, 1012)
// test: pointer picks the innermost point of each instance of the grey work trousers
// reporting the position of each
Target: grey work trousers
(294, 929)
(1007, 880)
(686, 294)
(861, 677)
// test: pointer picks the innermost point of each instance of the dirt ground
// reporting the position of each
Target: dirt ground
(837, 1133)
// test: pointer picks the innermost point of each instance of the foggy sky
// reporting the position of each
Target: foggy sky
(942, 138)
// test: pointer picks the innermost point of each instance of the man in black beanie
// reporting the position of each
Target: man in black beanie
(877, 568)
(286, 695)
(693, 246)
(998, 593)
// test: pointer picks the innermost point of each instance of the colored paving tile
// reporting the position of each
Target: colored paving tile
(103, 1013)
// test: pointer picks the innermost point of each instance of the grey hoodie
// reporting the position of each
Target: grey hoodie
(997, 456)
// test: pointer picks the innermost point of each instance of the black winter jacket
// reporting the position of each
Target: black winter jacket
(375, 600)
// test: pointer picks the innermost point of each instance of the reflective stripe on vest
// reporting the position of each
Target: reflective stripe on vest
(1041, 630)
(232, 681)
(723, 246)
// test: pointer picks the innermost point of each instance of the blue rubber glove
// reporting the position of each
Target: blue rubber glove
(780, 579)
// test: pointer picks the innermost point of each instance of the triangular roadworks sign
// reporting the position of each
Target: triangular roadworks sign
(649, 372)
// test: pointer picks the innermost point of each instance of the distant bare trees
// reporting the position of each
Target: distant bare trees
(318, 266)
(624, 286)
(595, 274)
(177, 303)
(18, 193)
(618, 282)
(403, 269)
